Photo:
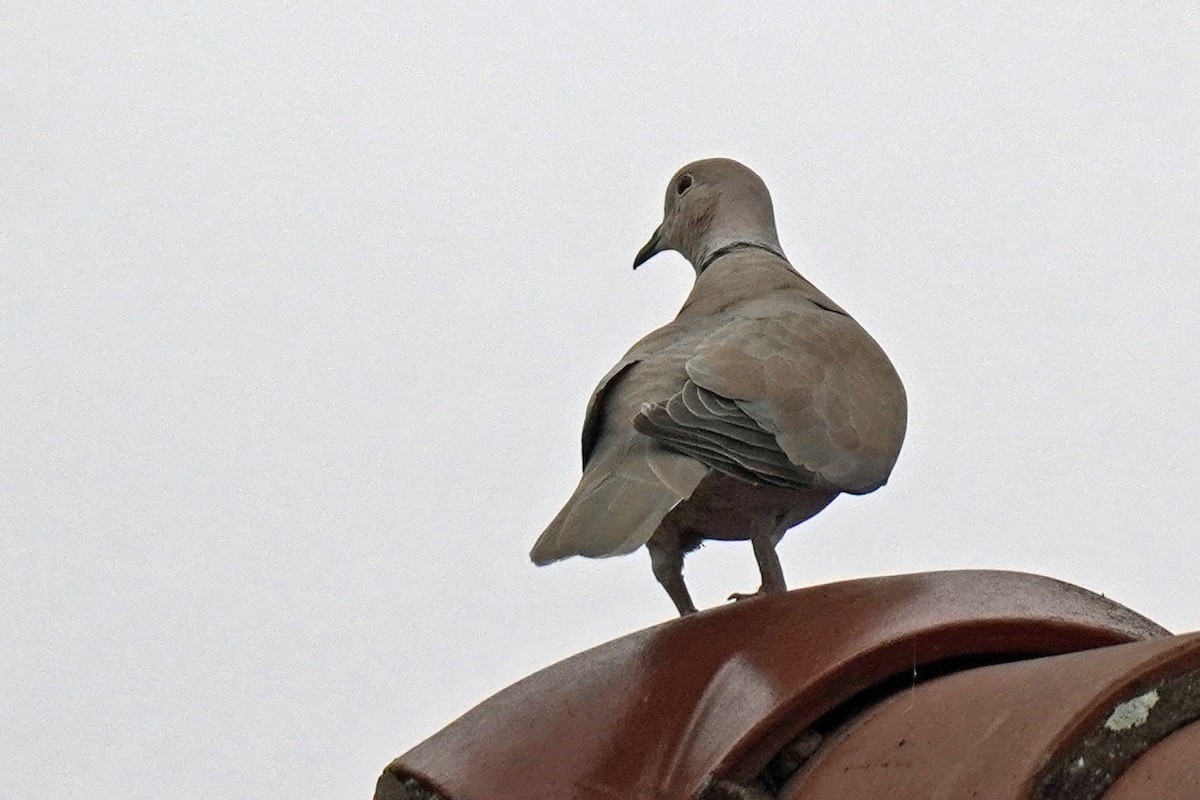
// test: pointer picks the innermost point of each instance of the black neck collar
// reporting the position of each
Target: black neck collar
(729, 248)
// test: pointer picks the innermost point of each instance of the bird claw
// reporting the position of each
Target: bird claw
(737, 597)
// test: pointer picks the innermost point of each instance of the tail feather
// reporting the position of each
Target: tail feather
(613, 512)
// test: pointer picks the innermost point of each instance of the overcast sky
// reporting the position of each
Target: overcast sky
(301, 310)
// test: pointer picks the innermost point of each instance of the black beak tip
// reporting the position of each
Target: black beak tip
(648, 251)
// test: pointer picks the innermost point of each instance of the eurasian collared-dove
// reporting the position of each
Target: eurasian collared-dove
(746, 415)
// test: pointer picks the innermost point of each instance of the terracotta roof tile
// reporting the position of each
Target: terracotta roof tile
(741, 696)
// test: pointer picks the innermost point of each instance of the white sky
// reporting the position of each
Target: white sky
(301, 310)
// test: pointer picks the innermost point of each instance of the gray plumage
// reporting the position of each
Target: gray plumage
(746, 415)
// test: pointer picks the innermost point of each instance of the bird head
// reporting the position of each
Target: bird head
(711, 204)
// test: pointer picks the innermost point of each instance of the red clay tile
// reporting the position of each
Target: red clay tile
(718, 695)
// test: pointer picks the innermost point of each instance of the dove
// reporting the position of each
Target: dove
(749, 413)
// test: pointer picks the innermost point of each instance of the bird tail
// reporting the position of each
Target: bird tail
(615, 512)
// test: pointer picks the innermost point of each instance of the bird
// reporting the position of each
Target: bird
(749, 413)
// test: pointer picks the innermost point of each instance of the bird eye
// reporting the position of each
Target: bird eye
(683, 184)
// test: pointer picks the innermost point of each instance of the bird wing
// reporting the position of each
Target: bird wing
(787, 394)
(592, 417)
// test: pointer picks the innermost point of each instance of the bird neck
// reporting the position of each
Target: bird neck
(726, 249)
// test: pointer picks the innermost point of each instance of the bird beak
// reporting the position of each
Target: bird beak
(649, 249)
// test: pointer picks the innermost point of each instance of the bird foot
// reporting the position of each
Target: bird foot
(737, 597)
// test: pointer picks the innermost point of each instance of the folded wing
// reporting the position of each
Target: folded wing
(801, 398)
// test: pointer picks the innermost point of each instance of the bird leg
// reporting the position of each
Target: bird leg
(768, 567)
(667, 562)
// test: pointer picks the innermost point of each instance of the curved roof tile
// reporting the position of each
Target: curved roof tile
(732, 699)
